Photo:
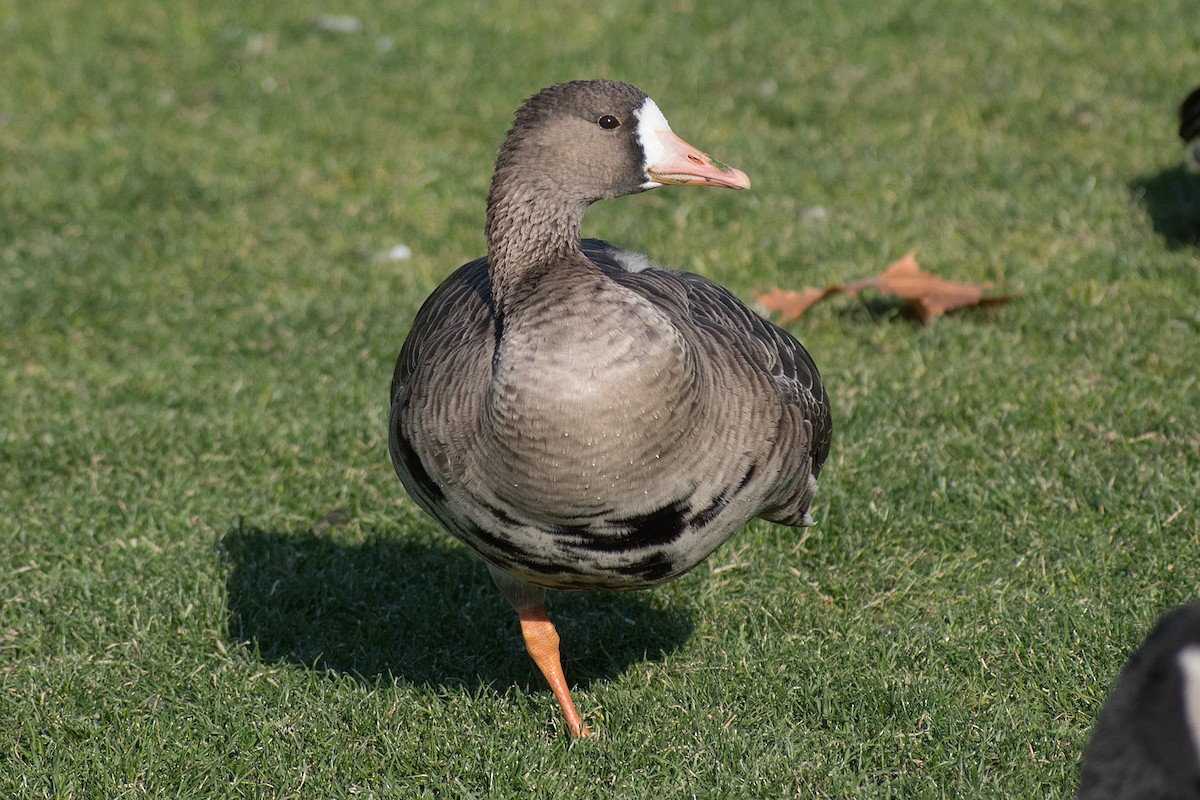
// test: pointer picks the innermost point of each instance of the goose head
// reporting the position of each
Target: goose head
(584, 141)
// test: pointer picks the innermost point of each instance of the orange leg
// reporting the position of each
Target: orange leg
(541, 640)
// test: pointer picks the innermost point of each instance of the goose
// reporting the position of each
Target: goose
(1146, 743)
(1189, 126)
(579, 417)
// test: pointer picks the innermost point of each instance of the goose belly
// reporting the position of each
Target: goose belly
(585, 457)
(617, 481)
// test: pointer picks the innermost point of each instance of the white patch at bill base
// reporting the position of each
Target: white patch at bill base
(650, 123)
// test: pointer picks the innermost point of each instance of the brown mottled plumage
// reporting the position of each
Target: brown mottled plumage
(583, 420)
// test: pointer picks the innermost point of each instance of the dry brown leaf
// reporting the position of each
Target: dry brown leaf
(791, 305)
(928, 295)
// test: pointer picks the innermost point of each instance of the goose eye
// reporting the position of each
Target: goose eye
(608, 122)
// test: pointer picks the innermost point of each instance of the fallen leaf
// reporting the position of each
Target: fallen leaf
(791, 305)
(927, 295)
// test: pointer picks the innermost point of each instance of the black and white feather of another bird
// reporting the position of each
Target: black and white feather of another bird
(1189, 127)
(1146, 743)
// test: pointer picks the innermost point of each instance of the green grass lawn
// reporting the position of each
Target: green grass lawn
(212, 584)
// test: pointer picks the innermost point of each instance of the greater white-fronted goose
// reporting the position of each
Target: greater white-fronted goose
(581, 418)
(1146, 743)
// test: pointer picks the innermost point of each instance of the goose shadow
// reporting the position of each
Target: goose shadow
(1172, 199)
(423, 613)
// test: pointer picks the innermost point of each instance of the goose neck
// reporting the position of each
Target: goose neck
(528, 232)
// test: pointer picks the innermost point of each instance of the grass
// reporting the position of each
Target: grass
(211, 583)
